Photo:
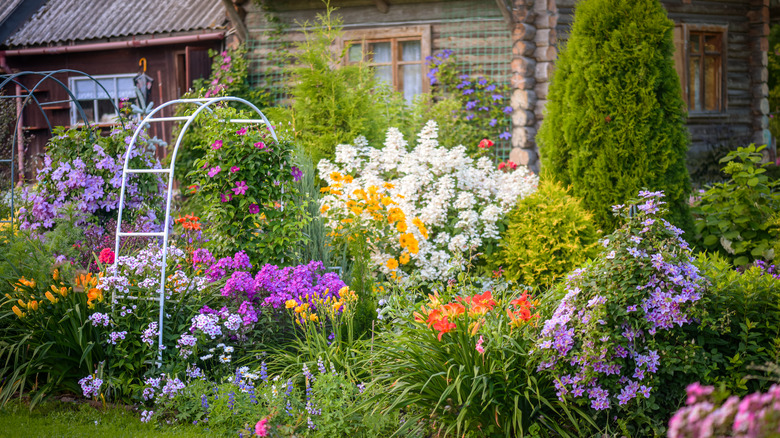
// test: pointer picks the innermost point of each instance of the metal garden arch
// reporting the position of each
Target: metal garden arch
(203, 105)
(45, 75)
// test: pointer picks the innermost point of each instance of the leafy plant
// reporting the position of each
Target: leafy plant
(739, 218)
(464, 366)
(547, 234)
(614, 121)
(245, 182)
(742, 328)
(615, 341)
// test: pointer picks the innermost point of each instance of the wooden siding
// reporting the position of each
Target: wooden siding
(161, 66)
(735, 125)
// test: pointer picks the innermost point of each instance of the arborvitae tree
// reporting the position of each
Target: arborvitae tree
(615, 118)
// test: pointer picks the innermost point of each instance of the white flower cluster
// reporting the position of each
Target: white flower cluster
(457, 198)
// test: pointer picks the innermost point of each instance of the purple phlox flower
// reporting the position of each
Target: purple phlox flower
(648, 194)
(599, 398)
(240, 188)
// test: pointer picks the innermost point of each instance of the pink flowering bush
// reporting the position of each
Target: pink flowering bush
(246, 185)
(711, 413)
(617, 333)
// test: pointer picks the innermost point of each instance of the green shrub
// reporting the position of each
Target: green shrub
(743, 323)
(615, 120)
(739, 217)
(332, 103)
(548, 234)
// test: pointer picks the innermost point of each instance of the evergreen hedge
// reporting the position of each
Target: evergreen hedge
(614, 121)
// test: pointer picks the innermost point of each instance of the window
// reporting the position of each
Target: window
(97, 105)
(398, 56)
(700, 63)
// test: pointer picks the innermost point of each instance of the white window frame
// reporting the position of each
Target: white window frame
(75, 118)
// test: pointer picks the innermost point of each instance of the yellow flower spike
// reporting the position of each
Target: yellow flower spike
(18, 312)
(54, 289)
(22, 304)
(337, 305)
(33, 305)
(8, 296)
(51, 298)
(55, 275)
(290, 304)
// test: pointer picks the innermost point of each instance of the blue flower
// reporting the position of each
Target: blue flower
(505, 135)
(492, 122)
(508, 109)
(471, 104)
(467, 91)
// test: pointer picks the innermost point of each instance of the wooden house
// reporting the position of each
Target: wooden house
(113, 41)
(721, 54)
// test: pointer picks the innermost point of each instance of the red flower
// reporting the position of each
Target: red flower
(106, 256)
(443, 326)
(485, 143)
(502, 165)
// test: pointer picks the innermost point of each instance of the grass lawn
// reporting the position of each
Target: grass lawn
(63, 419)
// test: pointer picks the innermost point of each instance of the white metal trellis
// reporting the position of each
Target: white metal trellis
(203, 105)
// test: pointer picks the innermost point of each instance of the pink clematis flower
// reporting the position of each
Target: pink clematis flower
(234, 169)
(240, 188)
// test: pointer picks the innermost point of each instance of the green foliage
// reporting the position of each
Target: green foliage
(47, 342)
(742, 327)
(332, 103)
(548, 234)
(246, 185)
(774, 79)
(442, 375)
(739, 218)
(615, 120)
(74, 420)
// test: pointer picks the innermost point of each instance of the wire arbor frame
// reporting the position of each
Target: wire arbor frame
(45, 76)
(203, 105)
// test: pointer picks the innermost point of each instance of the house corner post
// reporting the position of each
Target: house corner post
(758, 17)
(533, 54)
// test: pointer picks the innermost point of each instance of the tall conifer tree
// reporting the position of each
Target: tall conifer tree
(615, 117)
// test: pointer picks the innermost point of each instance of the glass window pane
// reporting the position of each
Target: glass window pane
(712, 43)
(84, 89)
(380, 52)
(89, 111)
(711, 83)
(410, 51)
(694, 92)
(694, 43)
(126, 88)
(412, 80)
(106, 113)
(355, 53)
(108, 84)
(384, 73)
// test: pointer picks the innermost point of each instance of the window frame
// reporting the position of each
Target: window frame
(394, 35)
(682, 58)
(74, 116)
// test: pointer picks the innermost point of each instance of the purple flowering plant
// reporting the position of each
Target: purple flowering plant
(247, 193)
(619, 328)
(84, 169)
(484, 103)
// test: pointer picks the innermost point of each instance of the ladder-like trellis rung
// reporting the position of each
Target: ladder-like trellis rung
(140, 234)
(148, 170)
(168, 119)
(246, 121)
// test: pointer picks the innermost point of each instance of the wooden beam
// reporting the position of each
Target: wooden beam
(382, 5)
(505, 12)
(235, 19)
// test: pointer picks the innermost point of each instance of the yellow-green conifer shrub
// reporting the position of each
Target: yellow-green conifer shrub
(548, 234)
